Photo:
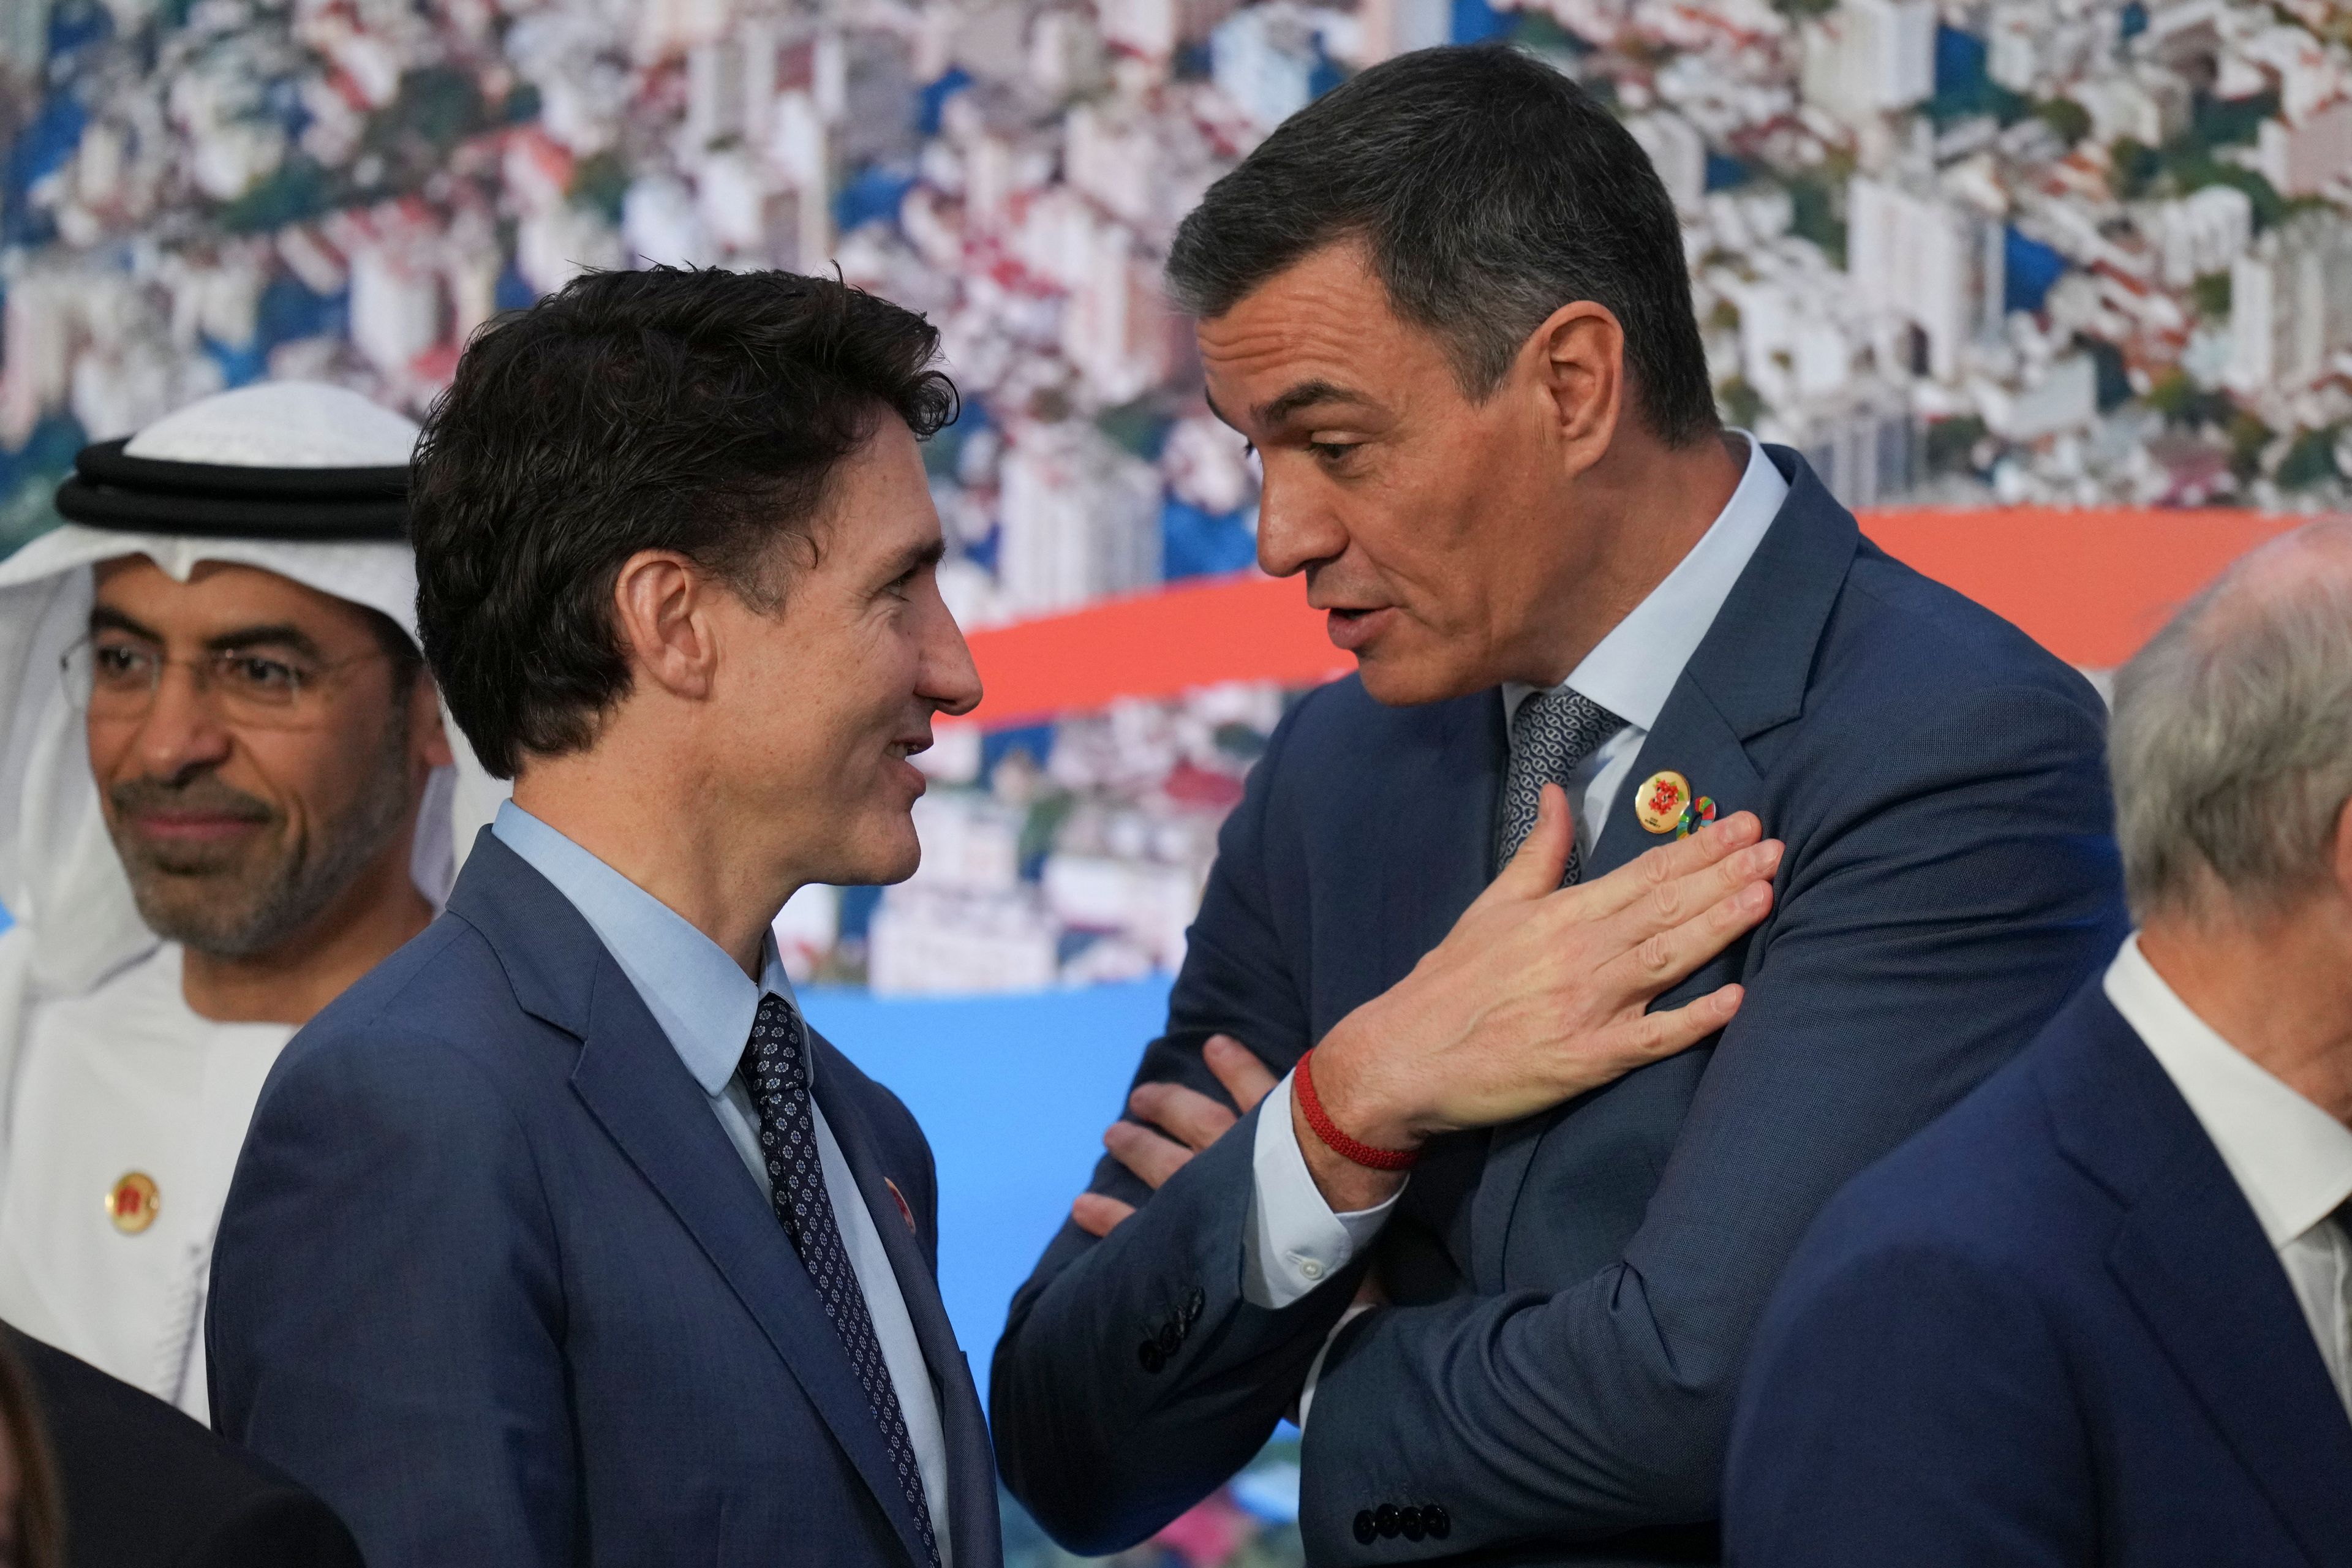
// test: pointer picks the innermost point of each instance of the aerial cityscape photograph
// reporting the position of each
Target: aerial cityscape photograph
(2039, 260)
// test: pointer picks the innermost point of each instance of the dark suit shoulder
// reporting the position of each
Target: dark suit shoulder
(144, 1484)
(443, 993)
(1911, 633)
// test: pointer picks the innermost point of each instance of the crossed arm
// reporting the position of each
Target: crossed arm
(1961, 890)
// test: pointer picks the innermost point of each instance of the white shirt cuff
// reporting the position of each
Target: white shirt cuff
(1293, 1242)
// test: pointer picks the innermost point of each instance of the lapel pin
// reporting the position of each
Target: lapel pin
(1659, 803)
(1696, 815)
(132, 1201)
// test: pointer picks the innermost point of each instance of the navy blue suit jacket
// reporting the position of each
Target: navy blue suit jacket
(493, 1281)
(1576, 1291)
(2047, 1330)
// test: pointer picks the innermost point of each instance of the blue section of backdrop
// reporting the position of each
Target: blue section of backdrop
(1015, 1093)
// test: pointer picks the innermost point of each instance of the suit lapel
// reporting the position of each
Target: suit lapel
(632, 1082)
(1439, 830)
(1693, 740)
(971, 1476)
(1747, 676)
(2194, 1260)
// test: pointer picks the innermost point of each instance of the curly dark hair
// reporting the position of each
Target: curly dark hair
(698, 411)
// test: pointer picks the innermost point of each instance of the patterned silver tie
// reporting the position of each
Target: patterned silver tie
(1551, 735)
(775, 1071)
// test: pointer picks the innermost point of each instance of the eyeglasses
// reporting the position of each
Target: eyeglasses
(115, 680)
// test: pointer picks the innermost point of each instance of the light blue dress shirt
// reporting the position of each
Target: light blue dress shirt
(1633, 670)
(706, 1005)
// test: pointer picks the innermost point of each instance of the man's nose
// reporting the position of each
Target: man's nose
(949, 680)
(181, 729)
(1293, 534)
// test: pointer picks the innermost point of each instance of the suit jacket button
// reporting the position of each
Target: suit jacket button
(1170, 1336)
(1194, 1306)
(1437, 1521)
(1364, 1530)
(1150, 1354)
(1386, 1520)
(1409, 1520)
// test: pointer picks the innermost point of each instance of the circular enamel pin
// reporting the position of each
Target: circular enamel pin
(1658, 804)
(132, 1201)
(1696, 815)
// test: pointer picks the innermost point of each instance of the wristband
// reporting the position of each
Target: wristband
(1303, 1080)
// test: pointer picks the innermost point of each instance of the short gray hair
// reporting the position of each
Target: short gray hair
(2232, 742)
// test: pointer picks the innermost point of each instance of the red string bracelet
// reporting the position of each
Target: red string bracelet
(1339, 1143)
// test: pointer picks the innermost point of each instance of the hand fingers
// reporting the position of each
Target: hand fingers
(1536, 869)
(1099, 1215)
(1667, 864)
(1144, 1152)
(1184, 1114)
(1670, 1030)
(1665, 956)
(1238, 1067)
(1673, 901)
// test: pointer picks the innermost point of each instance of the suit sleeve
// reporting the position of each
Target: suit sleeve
(1946, 902)
(1132, 1378)
(1908, 1406)
(386, 1310)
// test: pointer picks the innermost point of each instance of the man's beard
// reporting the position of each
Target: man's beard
(236, 900)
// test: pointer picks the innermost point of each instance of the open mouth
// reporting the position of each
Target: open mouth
(1350, 628)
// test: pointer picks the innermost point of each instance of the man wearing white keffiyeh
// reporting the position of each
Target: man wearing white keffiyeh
(227, 792)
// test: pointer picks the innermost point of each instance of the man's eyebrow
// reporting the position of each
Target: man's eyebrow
(107, 618)
(282, 635)
(915, 557)
(1306, 395)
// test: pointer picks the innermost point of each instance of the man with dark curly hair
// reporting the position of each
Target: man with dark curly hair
(561, 1238)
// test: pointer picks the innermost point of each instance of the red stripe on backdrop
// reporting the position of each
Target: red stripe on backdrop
(2090, 586)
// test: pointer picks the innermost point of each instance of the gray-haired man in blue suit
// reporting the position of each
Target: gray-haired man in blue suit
(1448, 303)
(561, 1238)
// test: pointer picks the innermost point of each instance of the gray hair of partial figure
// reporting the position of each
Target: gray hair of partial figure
(2231, 741)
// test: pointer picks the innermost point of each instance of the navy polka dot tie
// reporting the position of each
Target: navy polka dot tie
(775, 1071)
(1551, 734)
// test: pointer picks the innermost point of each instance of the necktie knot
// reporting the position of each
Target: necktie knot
(1551, 735)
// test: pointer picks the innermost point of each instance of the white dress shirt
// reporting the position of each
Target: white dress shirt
(1293, 1241)
(2292, 1160)
(705, 1005)
(125, 1077)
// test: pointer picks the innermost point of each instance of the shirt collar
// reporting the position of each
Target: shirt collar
(2292, 1160)
(1633, 670)
(701, 998)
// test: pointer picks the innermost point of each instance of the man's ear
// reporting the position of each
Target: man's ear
(428, 731)
(661, 610)
(1577, 360)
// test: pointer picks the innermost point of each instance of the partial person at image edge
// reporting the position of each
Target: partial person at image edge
(2101, 1313)
(561, 1238)
(144, 1486)
(233, 795)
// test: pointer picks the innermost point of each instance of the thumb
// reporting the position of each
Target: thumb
(1536, 870)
